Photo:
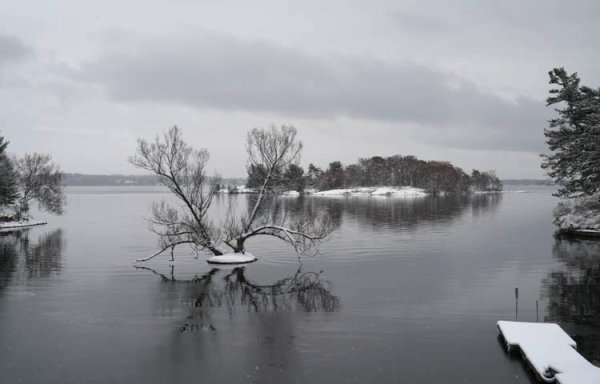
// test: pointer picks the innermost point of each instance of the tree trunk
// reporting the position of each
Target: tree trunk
(239, 245)
(215, 251)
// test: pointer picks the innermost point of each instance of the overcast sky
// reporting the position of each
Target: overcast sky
(463, 81)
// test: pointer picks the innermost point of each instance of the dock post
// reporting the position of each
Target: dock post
(517, 303)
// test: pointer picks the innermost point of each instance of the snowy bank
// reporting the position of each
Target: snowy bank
(237, 189)
(232, 258)
(375, 191)
(579, 216)
(20, 224)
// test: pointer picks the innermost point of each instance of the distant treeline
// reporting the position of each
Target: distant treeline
(433, 176)
(527, 182)
(78, 179)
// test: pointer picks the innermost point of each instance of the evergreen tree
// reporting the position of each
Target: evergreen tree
(314, 177)
(574, 136)
(335, 176)
(355, 174)
(293, 178)
(8, 181)
(256, 176)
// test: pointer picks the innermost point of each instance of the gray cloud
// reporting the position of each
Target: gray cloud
(11, 50)
(546, 21)
(224, 73)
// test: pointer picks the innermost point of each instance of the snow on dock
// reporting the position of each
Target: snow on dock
(550, 352)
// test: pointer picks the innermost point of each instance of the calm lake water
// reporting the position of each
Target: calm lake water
(404, 291)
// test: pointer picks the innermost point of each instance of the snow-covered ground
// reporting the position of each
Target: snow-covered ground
(238, 189)
(580, 215)
(375, 191)
(20, 224)
(494, 192)
(359, 191)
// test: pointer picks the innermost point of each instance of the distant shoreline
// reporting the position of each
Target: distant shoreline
(118, 180)
(528, 182)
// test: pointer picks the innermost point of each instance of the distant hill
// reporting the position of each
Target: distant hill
(78, 179)
(527, 182)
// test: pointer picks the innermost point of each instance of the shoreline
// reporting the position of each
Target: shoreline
(584, 233)
(21, 224)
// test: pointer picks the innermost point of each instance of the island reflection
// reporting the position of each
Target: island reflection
(412, 212)
(371, 210)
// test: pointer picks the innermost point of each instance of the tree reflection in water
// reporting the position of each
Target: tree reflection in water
(302, 291)
(22, 259)
(573, 293)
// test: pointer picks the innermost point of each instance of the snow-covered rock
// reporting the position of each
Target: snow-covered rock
(236, 189)
(399, 192)
(333, 192)
(243, 189)
(291, 193)
(232, 258)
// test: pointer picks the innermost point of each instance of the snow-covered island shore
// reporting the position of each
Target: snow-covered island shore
(358, 191)
(20, 224)
(375, 191)
(579, 216)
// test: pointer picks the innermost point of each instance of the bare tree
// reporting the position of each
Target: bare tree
(181, 169)
(274, 150)
(39, 179)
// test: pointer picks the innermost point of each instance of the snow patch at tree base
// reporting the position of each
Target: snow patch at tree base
(232, 258)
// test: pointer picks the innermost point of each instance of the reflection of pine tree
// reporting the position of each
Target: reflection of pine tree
(40, 258)
(573, 293)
